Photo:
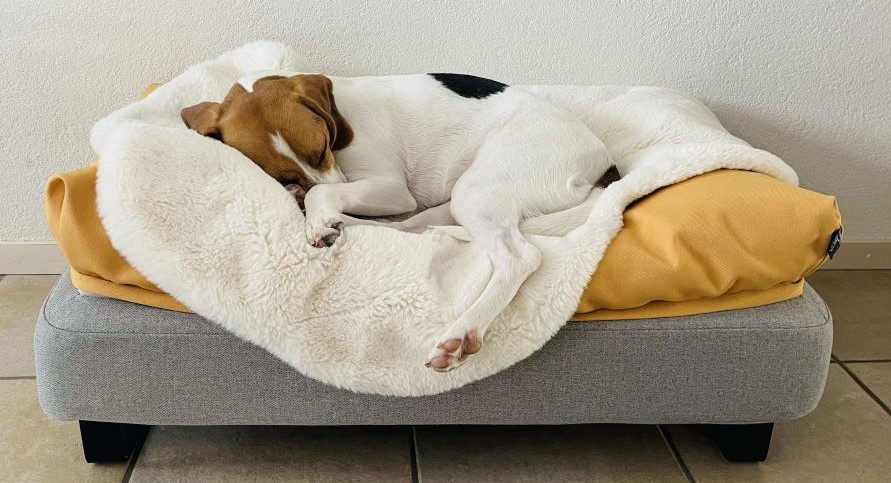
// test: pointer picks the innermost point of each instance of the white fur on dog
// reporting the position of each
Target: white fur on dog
(205, 224)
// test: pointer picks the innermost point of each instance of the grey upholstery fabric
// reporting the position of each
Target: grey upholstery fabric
(107, 360)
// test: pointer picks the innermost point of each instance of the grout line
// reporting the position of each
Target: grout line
(864, 360)
(17, 378)
(35, 274)
(413, 448)
(131, 465)
(666, 437)
(853, 269)
(866, 388)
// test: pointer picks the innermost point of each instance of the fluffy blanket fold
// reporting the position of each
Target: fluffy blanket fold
(209, 227)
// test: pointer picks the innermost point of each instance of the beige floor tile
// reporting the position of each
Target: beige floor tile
(588, 453)
(846, 439)
(20, 299)
(34, 448)
(860, 301)
(876, 376)
(274, 453)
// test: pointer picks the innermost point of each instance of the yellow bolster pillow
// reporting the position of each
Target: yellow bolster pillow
(96, 267)
(722, 240)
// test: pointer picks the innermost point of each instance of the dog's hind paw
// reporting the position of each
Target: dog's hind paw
(451, 353)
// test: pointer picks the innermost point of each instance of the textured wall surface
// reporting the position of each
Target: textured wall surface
(805, 79)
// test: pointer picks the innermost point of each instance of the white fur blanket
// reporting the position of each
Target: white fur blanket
(208, 226)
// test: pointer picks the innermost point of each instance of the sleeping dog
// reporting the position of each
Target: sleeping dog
(455, 149)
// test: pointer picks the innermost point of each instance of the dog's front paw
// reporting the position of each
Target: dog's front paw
(324, 231)
(296, 191)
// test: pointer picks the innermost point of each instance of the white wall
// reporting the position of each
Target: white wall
(807, 80)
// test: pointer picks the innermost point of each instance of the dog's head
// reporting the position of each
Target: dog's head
(289, 126)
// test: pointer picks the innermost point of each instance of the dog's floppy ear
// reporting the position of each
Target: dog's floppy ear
(204, 118)
(317, 93)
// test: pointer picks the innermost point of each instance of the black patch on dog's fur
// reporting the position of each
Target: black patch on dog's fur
(469, 85)
(609, 177)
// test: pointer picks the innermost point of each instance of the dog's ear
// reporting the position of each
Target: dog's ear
(204, 118)
(317, 93)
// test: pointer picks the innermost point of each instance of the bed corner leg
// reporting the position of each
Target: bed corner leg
(107, 442)
(742, 442)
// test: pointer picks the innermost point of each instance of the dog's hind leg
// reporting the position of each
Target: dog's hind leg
(440, 215)
(494, 226)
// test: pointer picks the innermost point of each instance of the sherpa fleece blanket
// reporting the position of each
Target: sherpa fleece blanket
(206, 225)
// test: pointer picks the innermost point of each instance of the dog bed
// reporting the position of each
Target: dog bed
(207, 226)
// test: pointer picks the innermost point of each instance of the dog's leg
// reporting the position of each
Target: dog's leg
(440, 215)
(325, 204)
(494, 226)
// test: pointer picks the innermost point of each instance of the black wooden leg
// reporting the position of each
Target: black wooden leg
(106, 442)
(742, 442)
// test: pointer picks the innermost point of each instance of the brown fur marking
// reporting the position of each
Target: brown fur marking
(300, 109)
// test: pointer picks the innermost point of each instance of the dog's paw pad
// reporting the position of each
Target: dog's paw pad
(329, 240)
(322, 237)
(451, 353)
(438, 362)
(471, 343)
(324, 234)
(334, 223)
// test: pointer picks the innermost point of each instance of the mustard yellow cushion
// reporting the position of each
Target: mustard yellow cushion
(96, 267)
(719, 241)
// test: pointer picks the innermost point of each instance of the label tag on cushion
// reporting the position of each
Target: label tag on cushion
(834, 243)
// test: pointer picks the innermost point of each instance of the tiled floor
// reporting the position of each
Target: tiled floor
(847, 438)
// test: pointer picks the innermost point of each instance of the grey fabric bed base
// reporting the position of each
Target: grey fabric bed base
(106, 360)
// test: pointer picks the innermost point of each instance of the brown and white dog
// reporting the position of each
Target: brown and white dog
(456, 149)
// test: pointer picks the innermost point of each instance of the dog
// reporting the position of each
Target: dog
(455, 149)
